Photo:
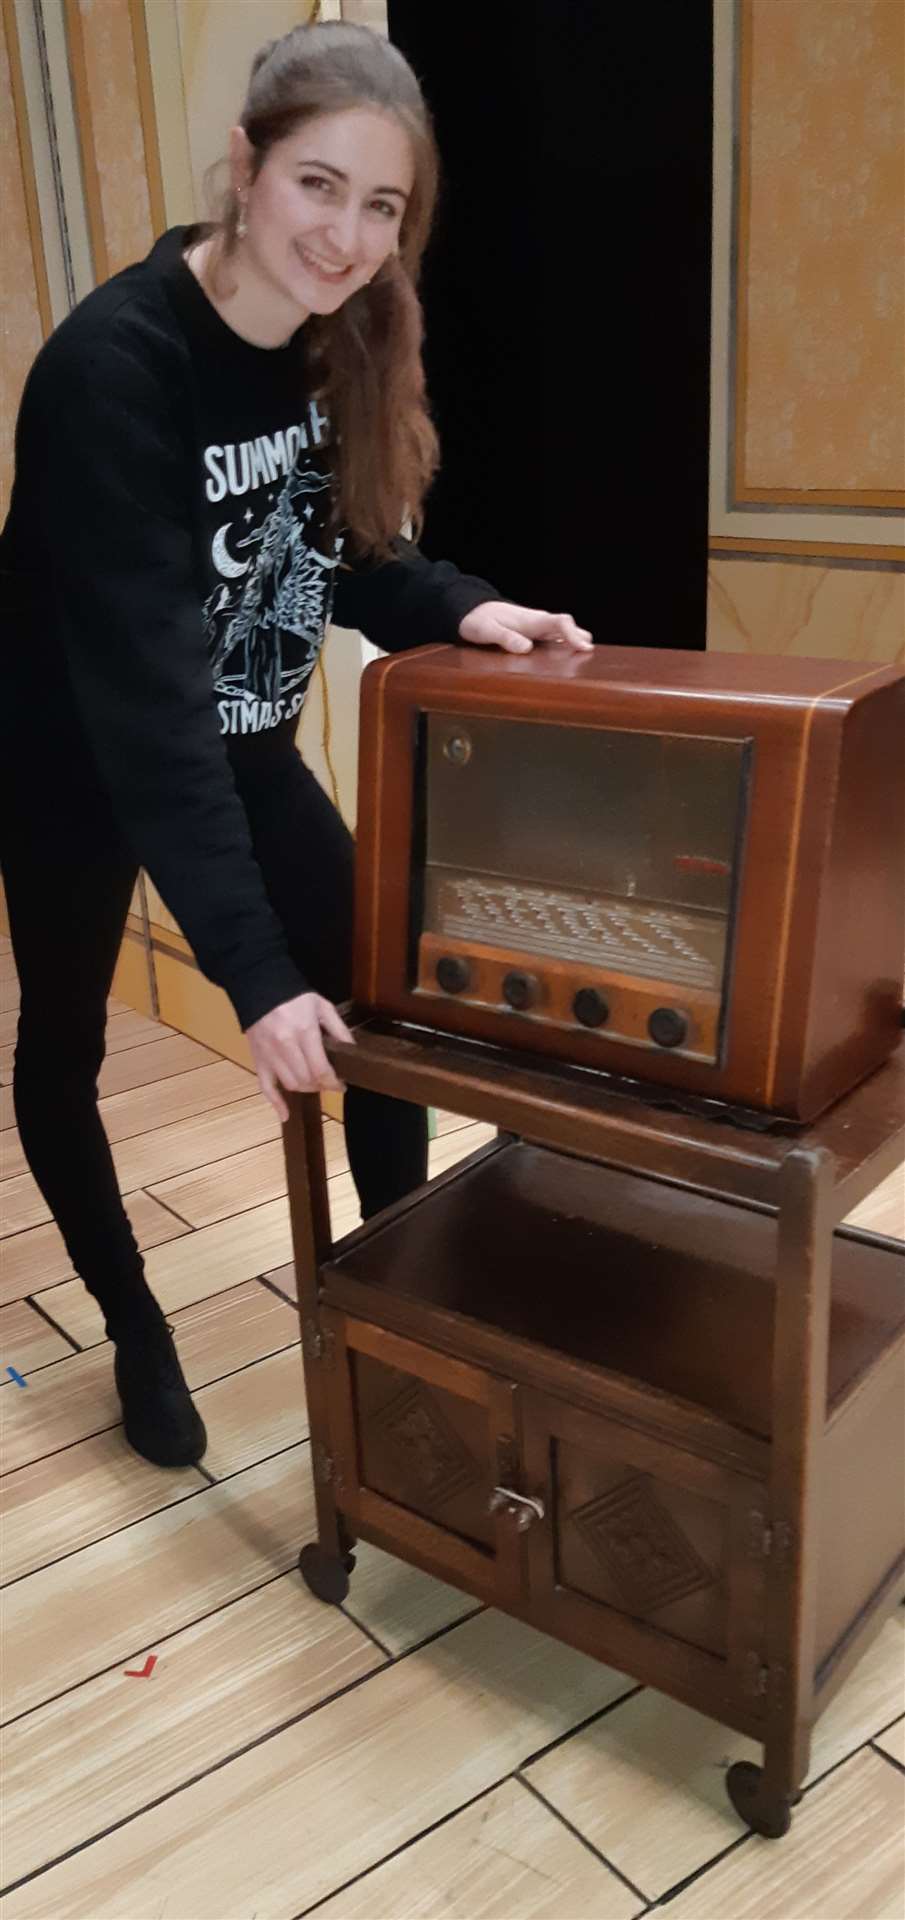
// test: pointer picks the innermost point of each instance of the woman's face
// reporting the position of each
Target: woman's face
(325, 210)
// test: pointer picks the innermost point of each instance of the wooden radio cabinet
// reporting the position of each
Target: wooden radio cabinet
(683, 868)
(623, 1375)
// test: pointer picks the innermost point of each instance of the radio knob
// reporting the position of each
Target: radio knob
(668, 1026)
(590, 1007)
(521, 990)
(453, 973)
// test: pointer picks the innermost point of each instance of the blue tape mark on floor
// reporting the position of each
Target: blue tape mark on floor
(17, 1377)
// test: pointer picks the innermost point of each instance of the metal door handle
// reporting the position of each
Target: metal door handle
(523, 1508)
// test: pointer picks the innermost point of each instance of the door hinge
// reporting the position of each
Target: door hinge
(765, 1683)
(755, 1676)
(760, 1535)
(768, 1540)
(318, 1343)
(783, 1545)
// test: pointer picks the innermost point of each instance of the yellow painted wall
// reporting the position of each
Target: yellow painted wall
(808, 397)
(217, 39)
(821, 325)
(784, 607)
(120, 169)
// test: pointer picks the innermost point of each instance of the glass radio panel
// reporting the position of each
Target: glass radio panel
(605, 849)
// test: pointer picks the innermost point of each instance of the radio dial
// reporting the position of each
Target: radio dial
(521, 990)
(590, 1007)
(453, 973)
(668, 1026)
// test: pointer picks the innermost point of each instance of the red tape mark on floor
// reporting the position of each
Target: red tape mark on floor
(142, 1673)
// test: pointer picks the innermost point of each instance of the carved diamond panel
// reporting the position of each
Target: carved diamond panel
(639, 1545)
(427, 1449)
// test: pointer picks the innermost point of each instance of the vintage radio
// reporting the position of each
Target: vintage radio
(686, 868)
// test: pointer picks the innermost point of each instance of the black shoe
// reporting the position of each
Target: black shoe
(160, 1418)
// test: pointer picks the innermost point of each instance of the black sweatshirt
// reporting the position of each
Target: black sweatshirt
(167, 579)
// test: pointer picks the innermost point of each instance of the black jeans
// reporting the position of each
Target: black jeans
(69, 880)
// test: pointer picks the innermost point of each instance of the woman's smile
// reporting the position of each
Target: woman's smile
(324, 269)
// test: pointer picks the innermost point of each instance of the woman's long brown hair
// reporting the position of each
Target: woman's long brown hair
(364, 361)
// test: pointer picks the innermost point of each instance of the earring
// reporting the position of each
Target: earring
(241, 222)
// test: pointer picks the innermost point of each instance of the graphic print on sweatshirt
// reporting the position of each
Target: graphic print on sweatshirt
(273, 566)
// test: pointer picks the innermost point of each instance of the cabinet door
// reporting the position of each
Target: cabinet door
(652, 1558)
(419, 1443)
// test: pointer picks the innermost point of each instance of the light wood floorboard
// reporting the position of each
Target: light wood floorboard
(67, 1500)
(505, 1855)
(228, 1186)
(107, 1750)
(214, 1259)
(157, 1060)
(26, 1341)
(255, 1413)
(155, 1577)
(125, 1068)
(37, 1259)
(133, 1030)
(496, 1689)
(893, 1743)
(884, 1210)
(143, 1108)
(192, 1145)
(76, 1397)
(219, 1684)
(646, 1785)
(841, 1861)
(9, 1021)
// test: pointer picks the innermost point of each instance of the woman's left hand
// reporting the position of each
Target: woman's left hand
(497, 623)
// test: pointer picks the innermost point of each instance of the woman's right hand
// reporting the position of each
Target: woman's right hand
(288, 1051)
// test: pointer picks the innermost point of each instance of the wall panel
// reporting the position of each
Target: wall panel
(114, 107)
(26, 311)
(820, 315)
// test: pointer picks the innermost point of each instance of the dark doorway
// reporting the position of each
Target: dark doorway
(567, 293)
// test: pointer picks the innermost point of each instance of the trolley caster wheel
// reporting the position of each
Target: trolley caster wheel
(743, 1785)
(325, 1574)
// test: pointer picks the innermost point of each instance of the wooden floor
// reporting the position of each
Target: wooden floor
(408, 1755)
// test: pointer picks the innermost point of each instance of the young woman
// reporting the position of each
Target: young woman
(214, 456)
